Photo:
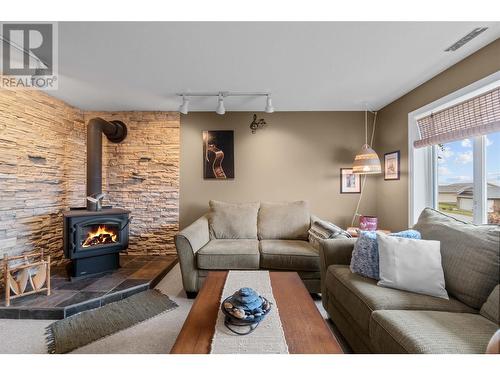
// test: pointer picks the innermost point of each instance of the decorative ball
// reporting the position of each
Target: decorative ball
(245, 306)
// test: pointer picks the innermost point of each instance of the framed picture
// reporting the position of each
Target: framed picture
(391, 165)
(218, 154)
(350, 183)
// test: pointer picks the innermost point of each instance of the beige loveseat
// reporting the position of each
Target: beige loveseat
(248, 236)
(383, 320)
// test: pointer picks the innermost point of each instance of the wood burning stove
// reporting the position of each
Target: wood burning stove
(94, 236)
(93, 239)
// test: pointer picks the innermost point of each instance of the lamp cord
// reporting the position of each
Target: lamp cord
(364, 176)
(366, 127)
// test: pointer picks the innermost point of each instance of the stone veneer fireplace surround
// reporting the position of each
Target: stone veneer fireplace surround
(42, 173)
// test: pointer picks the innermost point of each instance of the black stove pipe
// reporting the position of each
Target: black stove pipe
(115, 131)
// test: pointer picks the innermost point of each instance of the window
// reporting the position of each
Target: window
(455, 179)
(453, 174)
(492, 144)
(459, 176)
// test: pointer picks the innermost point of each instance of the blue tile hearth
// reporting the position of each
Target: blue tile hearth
(69, 297)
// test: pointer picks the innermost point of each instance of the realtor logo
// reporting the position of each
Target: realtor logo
(28, 55)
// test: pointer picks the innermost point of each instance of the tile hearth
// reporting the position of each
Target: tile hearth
(136, 274)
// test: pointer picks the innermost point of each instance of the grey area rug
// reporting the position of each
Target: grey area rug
(78, 330)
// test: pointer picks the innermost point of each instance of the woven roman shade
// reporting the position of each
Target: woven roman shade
(474, 117)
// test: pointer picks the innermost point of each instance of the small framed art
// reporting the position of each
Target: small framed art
(350, 183)
(392, 165)
(218, 154)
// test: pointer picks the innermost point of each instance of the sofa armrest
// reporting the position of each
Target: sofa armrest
(188, 242)
(333, 251)
(336, 251)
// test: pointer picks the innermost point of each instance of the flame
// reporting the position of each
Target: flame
(102, 230)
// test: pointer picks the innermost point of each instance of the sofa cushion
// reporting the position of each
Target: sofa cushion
(491, 308)
(284, 221)
(288, 255)
(470, 255)
(360, 296)
(229, 255)
(438, 332)
(233, 220)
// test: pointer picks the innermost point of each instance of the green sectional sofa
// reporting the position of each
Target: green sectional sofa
(249, 236)
(375, 319)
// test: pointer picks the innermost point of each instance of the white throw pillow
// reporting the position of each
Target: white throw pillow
(412, 265)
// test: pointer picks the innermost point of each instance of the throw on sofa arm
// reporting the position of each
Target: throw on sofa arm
(333, 251)
(188, 242)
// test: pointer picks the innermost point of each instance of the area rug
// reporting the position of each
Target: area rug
(268, 337)
(81, 329)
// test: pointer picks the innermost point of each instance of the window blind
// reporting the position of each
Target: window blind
(474, 117)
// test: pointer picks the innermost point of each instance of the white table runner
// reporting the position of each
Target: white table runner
(268, 337)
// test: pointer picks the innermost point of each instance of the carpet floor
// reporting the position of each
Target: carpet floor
(154, 336)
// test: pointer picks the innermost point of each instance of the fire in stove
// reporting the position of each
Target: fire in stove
(102, 236)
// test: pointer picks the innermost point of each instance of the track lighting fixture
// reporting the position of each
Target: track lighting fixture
(220, 106)
(269, 104)
(184, 107)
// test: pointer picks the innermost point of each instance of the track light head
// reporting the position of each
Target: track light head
(184, 107)
(269, 105)
(220, 106)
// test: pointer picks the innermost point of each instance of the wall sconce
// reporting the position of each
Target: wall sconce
(257, 124)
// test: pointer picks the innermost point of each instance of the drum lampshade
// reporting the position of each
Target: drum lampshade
(366, 161)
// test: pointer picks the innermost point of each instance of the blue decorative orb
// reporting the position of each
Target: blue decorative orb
(245, 307)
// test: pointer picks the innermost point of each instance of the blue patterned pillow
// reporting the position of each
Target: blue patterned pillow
(364, 260)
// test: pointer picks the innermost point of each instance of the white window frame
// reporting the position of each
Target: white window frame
(422, 171)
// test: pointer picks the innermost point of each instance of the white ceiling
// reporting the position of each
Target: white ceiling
(307, 66)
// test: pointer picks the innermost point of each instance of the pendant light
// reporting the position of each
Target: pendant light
(367, 160)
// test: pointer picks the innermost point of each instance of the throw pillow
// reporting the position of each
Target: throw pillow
(364, 260)
(471, 255)
(233, 220)
(322, 230)
(411, 265)
(284, 220)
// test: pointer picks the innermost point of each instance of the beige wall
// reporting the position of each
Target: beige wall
(392, 196)
(297, 156)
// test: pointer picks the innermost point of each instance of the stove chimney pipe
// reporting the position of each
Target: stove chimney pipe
(115, 131)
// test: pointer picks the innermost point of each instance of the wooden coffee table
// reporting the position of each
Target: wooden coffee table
(306, 332)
